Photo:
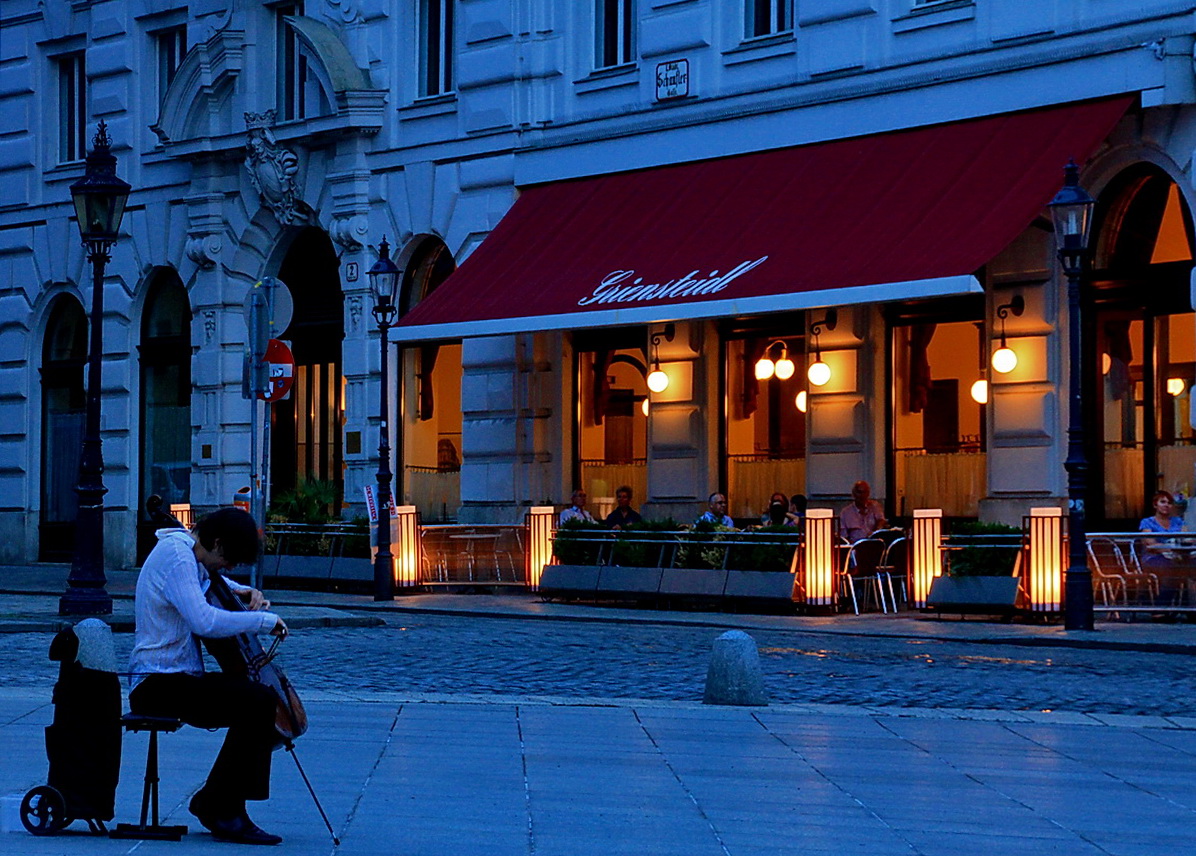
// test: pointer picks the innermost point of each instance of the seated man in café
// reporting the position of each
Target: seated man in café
(577, 509)
(624, 514)
(716, 512)
(863, 516)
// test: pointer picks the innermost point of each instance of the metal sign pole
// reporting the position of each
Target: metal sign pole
(259, 320)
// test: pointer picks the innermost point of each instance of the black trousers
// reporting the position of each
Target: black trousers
(216, 700)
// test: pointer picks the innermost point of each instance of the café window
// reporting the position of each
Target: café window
(431, 390)
(939, 390)
(765, 418)
(1141, 368)
(612, 415)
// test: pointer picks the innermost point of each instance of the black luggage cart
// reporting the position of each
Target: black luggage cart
(82, 745)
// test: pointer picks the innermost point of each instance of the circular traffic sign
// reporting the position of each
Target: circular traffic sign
(281, 374)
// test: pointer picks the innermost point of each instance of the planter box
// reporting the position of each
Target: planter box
(760, 584)
(318, 567)
(346, 568)
(629, 580)
(985, 595)
(574, 579)
(693, 581)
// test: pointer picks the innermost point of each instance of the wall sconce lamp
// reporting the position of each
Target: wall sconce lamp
(782, 368)
(802, 401)
(980, 391)
(1176, 386)
(819, 372)
(1004, 359)
(658, 381)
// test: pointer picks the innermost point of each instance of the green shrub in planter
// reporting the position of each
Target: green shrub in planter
(990, 552)
(701, 547)
(775, 554)
(578, 542)
(631, 553)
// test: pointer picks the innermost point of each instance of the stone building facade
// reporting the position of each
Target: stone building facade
(287, 139)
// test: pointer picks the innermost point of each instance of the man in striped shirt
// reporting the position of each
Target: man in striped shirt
(172, 614)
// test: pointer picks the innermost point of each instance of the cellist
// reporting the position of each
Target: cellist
(172, 614)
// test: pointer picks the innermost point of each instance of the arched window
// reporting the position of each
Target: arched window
(64, 356)
(1143, 345)
(305, 443)
(431, 386)
(165, 355)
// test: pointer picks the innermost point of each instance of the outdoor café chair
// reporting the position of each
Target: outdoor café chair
(895, 562)
(1109, 571)
(863, 566)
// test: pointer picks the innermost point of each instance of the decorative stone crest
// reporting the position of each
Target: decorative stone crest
(272, 169)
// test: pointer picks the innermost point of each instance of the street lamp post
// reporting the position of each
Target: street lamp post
(1071, 209)
(384, 282)
(99, 199)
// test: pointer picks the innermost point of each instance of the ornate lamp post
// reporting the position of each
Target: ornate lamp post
(384, 283)
(99, 198)
(1071, 209)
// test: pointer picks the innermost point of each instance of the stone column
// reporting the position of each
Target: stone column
(683, 422)
(511, 432)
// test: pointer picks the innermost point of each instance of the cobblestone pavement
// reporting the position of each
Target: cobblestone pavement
(468, 654)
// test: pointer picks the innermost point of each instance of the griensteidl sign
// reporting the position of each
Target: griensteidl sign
(672, 79)
(623, 286)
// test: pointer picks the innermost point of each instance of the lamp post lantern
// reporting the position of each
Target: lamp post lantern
(1071, 210)
(99, 198)
(384, 283)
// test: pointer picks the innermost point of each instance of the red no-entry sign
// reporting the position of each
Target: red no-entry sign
(281, 371)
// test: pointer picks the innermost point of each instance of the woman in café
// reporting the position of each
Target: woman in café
(778, 512)
(1160, 555)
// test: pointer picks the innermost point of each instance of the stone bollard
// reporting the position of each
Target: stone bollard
(734, 676)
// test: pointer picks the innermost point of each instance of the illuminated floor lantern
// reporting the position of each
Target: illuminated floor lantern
(406, 538)
(1046, 559)
(818, 575)
(539, 526)
(927, 553)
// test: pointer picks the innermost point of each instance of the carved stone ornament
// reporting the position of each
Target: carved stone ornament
(209, 325)
(272, 169)
(355, 313)
(347, 10)
(349, 232)
(203, 249)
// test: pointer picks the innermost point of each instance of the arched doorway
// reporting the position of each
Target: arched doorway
(431, 394)
(64, 356)
(1143, 335)
(306, 428)
(165, 357)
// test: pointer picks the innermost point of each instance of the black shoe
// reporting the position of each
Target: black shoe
(238, 829)
(241, 830)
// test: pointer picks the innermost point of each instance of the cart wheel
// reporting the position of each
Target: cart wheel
(43, 811)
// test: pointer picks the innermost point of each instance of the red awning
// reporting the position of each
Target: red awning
(911, 213)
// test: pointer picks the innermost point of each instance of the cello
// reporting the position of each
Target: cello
(244, 656)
